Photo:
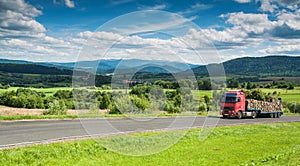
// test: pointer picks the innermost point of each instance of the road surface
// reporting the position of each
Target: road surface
(28, 132)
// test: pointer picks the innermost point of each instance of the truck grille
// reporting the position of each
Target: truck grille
(227, 108)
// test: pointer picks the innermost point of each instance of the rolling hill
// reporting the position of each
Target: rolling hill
(258, 66)
(248, 66)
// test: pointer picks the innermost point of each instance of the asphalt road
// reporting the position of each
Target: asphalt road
(27, 132)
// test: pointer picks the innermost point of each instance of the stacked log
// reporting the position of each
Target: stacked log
(273, 106)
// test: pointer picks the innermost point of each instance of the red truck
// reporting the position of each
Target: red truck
(235, 104)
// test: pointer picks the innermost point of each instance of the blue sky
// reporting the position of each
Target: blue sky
(215, 30)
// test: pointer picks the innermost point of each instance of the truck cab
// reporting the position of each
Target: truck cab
(233, 103)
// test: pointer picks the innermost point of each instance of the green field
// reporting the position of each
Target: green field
(47, 91)
(286, 95)
(264, 144)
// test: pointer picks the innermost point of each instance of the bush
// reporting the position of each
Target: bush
(202, 107)
(122, 104)
(171, 108)
(294, 107)
(141, 103)
(23, 98)
(256, 94)
(56, 108)
(105, 101)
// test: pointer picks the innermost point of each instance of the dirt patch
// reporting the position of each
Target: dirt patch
(8, 111)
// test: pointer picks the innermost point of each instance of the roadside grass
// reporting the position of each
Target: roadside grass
(286, 95)
(24, 117)
(261, 144)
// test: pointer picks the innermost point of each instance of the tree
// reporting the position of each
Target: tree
(206, 85)
(290, 86)
(233, 83)
(249, 85)
(207, 101)
(256, 94)
(105, 101)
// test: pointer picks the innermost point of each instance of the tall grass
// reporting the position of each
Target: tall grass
(266, 144)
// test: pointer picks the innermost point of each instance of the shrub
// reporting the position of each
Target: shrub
(294, 107)
(122, 104)
(171, 108)
(202, 107)
(56, 108)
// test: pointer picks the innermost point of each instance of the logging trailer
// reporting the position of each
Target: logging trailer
(235, 104)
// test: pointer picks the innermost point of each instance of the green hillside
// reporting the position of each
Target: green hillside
(258, 66)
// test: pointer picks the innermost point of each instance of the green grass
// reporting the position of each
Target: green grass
(264, 144)
(286, 95)
(47, 91)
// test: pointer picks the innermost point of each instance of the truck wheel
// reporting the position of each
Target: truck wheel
(224, 116)
(239, 115)
(253, 115)
(278, 115)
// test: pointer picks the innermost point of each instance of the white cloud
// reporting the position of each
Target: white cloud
(268, 6)
(290, 19)
(119, 2)
(250, 23)
(138, 24)
(243, 1)
(19, 16)
(281, 49)
(156, 7)
(275, 5)
(19, 6)
(195, 8)
(70, 3)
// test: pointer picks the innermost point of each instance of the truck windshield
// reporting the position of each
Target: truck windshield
(226, 99)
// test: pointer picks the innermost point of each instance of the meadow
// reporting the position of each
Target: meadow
(261, 144)
(286, 95)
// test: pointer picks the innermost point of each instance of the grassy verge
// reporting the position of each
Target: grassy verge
(266, 144)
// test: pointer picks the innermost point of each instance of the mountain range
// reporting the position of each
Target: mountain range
(247, 66)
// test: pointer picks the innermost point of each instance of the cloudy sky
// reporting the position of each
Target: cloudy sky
(68, 30)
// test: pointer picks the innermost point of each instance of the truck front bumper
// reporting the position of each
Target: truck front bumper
(229, 113)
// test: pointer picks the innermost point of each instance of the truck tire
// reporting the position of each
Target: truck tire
(239, 115)
(273, 115)
(224, 116)
(278, 115)
(254, 114)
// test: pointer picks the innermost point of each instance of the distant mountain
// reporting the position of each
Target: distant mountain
(15, 61)
(28, 68)
(248, 66)
(109, 66)
(132, 65)
(258, 66)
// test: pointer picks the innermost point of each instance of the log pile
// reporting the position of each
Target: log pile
(265, 106)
